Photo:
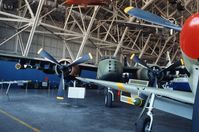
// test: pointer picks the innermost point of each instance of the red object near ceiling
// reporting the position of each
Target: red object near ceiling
(189, 37)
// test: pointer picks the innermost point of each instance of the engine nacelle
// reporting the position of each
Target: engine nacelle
(146, 74)
(143, 74)
(110, 70)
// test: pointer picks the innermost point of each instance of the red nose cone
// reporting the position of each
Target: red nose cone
(189, 37)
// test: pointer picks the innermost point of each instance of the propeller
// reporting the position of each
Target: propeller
(173, 66)
(82, 59)
(139, 61)
(154, 71)
(63, 68)
(155, 77)
(152, 18)
(47, 56)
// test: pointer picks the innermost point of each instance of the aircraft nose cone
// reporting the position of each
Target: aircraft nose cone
(189, 37)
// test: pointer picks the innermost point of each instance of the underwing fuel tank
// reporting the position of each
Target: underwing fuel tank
(110, 70)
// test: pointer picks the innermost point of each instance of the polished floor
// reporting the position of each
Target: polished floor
(38, 110)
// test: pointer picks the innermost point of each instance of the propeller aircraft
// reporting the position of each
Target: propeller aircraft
(65, 68)
(186, 103)
(49, 65)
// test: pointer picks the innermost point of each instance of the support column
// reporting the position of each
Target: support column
(145, 45)
(126, 29)
(160, 54)
(35, 23)
(86, 34)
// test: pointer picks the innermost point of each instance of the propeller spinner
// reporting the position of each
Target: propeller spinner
(155, 71)
(189, 37)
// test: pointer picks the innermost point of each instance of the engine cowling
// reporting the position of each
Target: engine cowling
(71, 71)
(146, 74)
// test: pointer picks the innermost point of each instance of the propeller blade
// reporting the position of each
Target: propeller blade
(82, 59)
(125, 62)
(47, 56)
(139, 61)
(61, 89)
(149, 17)
(173, 66)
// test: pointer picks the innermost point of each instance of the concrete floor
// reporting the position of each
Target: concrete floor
(38, 110)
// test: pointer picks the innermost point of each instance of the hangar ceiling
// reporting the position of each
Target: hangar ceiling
(99, 26)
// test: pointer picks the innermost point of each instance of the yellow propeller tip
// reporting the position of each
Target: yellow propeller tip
(90, 55)
(127, 9)
(39, 51)
(182, 61)
(60, 98)
(132, 56)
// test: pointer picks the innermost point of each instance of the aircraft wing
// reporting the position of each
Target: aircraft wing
(177, 95)
(149, 17)
(29, 63)
(40, 63)
(133, 24)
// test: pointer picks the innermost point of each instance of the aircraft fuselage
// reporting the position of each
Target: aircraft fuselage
(110, 70)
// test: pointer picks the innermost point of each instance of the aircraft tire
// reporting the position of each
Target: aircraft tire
(195, 118)
(142, 124)
(108, 100)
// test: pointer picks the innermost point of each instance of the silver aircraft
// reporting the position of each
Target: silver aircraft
(181, 103)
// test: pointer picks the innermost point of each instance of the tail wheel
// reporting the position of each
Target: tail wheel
(142, 125)
(108, 99)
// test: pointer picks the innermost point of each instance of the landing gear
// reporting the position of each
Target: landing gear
(143, 124)
(108, 101)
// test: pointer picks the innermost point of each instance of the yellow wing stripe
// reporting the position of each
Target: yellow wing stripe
(120, 86)
(127, 9)
(130, 101)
